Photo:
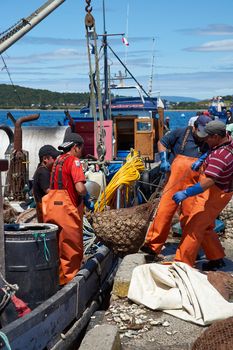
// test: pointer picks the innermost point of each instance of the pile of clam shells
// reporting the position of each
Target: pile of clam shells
(133, 320)
(227, 217)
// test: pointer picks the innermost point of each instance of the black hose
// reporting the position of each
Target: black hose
(8, 131)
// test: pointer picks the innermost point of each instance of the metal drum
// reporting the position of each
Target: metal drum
(32, 261)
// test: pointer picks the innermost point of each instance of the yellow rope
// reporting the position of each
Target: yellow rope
(126, 175)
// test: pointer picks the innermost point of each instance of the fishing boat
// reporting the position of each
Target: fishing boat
(127, 122)
(218, 108)
(109, 132)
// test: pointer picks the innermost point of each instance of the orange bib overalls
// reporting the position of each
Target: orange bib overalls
(58, 209)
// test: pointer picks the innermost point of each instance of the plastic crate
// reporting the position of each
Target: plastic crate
(122, 154)
(219, 227)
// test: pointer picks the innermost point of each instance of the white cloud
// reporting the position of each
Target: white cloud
(213, 46)
(60, 54)
(211, 29)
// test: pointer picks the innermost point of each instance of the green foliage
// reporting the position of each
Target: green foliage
(21, 97)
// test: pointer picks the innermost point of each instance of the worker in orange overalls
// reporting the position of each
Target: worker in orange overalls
(63, 205)
(186, 147)
(212, 193)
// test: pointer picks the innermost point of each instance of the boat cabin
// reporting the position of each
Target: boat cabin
(139, 133)
(133, 124)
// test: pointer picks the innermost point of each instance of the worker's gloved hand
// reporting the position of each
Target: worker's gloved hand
(165, 165)
(189, 192)
(180, 196)
(88, 202)
(198, 163)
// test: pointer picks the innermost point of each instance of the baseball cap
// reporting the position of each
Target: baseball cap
(206, 113)
(215, 127)
(48, 150)
(71, 138)
(201, 122)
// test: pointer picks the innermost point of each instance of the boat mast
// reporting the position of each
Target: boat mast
(106, 79)
(152, 69)
(3, 167)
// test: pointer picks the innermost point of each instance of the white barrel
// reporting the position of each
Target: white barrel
(98, 177)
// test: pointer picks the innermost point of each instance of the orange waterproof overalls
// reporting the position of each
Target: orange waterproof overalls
(199, 228)
(58, 209)
(200, 225)
(181, 177)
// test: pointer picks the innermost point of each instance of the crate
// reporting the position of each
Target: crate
(219, 227)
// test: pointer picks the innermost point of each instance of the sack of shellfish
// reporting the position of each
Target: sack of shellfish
(123, 230)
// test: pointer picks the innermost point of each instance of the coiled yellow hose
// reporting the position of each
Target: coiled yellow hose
(126, 175)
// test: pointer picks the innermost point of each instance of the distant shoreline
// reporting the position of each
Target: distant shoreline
(74, 110)
(37, 109)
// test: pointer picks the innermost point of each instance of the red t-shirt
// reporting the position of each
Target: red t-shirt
(72, 172)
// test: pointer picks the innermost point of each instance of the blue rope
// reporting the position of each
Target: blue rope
(46, 250)
(5, 339)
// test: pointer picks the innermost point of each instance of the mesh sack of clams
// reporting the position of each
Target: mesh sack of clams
(123, 230)
(219, 336)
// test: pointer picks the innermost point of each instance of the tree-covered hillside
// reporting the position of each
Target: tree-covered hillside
(21, 97)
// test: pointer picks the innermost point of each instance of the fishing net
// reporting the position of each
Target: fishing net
(219, 336)
(9, 213)
(123, 230)
(223, 282)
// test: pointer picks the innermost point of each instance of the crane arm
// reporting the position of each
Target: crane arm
(13, 34)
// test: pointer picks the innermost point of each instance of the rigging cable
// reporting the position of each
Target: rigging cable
(12, 83)
(99, 131)
(141, 87)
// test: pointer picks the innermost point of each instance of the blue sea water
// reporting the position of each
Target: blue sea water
(53, 118)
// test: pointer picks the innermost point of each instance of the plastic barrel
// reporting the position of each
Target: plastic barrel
(32, 261)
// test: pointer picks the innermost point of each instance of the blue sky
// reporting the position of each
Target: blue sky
(193, 51)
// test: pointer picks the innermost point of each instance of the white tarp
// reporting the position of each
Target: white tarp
(178, 290)
(33, 138)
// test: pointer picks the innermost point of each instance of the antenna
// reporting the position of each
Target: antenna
(150, 84)
(126, 34)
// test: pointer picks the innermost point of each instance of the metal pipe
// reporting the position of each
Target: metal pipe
(18, 129)
(3, 167)
(118, 199)
(71, 120)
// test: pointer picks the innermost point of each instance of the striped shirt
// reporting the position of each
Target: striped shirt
(219, 166)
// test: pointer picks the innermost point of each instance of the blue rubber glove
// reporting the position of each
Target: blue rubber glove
(88, 202)
(165, 165)
(197, 164)
(189, 192)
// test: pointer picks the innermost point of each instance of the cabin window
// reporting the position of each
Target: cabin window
(142, 126)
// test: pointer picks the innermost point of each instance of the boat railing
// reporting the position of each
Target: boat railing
(118, 87)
